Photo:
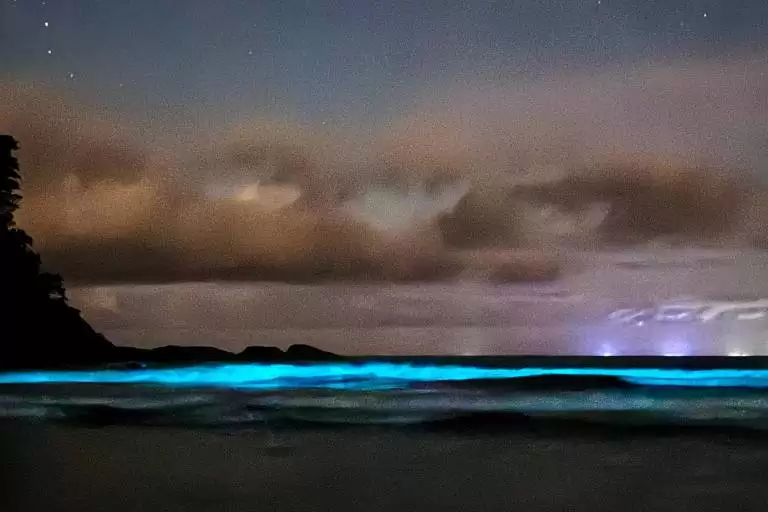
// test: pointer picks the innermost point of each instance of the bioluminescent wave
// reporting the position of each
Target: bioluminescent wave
(375, 376)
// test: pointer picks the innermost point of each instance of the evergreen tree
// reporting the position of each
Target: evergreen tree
(9, 182)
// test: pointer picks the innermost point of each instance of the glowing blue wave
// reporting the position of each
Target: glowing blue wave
(372, 375)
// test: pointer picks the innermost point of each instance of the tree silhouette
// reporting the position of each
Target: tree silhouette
(34, 314)
(20, 272)
(9, 181)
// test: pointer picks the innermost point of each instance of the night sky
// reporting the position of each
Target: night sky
(166, 142)
(341, 62)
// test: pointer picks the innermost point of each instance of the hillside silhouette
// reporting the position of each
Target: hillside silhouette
(37, 325)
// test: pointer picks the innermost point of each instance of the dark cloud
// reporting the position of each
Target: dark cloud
(635, 205)
(649, 203)
(484, 218)
(212, 240)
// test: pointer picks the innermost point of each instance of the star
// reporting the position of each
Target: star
(46, 24)
(50, 52)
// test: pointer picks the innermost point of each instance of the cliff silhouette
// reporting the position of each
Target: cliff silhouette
(39, 328)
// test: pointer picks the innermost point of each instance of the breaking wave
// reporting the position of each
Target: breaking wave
(441, 397)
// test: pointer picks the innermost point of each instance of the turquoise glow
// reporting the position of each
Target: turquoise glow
(372, 375)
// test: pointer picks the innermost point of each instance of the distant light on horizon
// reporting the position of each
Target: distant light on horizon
(607, 351)
(676, 347)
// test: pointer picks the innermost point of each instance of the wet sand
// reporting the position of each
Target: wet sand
(57, 468)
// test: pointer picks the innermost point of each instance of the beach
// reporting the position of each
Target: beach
(129, 468)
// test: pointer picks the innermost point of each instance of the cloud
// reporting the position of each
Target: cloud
(324, 166)
(141, 233)
(648, 203)
(231, 240)
(105, 208)
(484, 218)
(616, 205)
(672, 151)
(95, 222)
(59, 139)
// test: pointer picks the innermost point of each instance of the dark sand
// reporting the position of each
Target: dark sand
(57, 468)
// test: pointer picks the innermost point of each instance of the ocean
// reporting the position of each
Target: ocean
(387, 436)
